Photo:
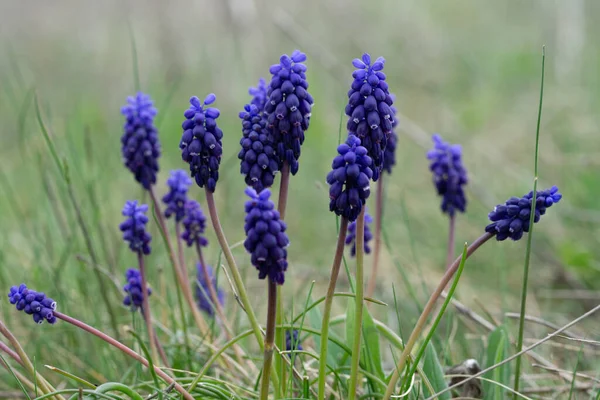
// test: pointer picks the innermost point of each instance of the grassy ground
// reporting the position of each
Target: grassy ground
(467, 70)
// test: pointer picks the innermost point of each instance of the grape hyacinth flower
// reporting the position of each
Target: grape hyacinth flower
(351, 235)
(266, 239)
(259, 95)
(194, 224)
(288, 107)
(511, 219)
(203, 291)
(33, 303)
(175, 200)
(134, 295)
(200, 144)
(140, 146)
(369, 109)
(292, 340)
(389, 154)
(449, 175)
(349, 179)
(134, 227)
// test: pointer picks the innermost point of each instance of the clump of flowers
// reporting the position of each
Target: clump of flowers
(134, 227)
(350, 179)
(140, 146)
(194, 224)
(266, 239)
(33, 303)
(200, 144)
(351, 235)
(134, 294)
(449, 175)
(205, 302)
(292, 340)
(176, 198)
(369, 109)
(511, 219)
(288, 107)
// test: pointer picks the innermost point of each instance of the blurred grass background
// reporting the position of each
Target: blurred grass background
(468, 70)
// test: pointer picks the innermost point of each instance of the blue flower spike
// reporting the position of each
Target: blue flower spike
(203, 298)
(134, 294)
(175, 199)
(33, 303)
(134, 227)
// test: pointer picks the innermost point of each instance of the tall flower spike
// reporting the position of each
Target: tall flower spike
(511, 219)
(292, 340)
(33, 303)
(449, 175)
(175, 200)
(140, 146)
(349, 179)
(351, 235)
(266, 239)
(259, 163)
(288, 107)
(194, 224)
(200, 144)
(203, 291)
(134, 227)
(134, 294)
(389, 154)
(369, 108)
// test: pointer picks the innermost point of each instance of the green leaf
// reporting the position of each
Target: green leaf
(371, 344)
(497, 350)
(434, 372)
(334, 352)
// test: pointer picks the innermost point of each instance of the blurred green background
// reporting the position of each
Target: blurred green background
(469, 70)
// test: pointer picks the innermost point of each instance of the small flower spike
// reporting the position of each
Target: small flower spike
(292, 340)
(175, 200)
(369, 109)
(194, 224)
(259, 163)
(259, 95)
(511, 219)
(389, 155)
(205, 302)
(200, 144)
(288, 107)
(449, 175)
(33, 303)
(349, 179)
(266, 239)
(140, 146)
(351, 235)
(134, 294)
(134, 227)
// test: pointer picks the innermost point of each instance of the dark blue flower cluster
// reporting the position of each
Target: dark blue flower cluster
(33, 303)
(511, 219)
(134, 227)
(259, 94)
(369, 109)
(140, 146)
(175, 200)
(351, 235)
(349, 179)
(449, 175)
(205, 302)
(292, 340)
(288, 107)
(194, 224)
(134, 294)
(259, 163)
(389, 154)
(266, 239)
(200, 143)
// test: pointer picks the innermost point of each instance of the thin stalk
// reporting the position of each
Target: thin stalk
(377, 244)
(146, 309)
(212, 292)
(237, 277)
(11, 353)
(186, 339)
(451, 237)
(185, 288)
(284, 185)
(335, 271)
(124, 349)
(360, 253)
(427, 310)
(269, 339)
(530, 235)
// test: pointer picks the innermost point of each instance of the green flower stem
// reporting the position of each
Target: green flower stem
(335, 270)
(377, 242)
(146, 309)
(451, 236)
(284, 185)
(186, 338)
(269, 339)
(360, 253)
(414, 336)
(124, 349)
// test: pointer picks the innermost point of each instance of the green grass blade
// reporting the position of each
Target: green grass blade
(12, 372)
